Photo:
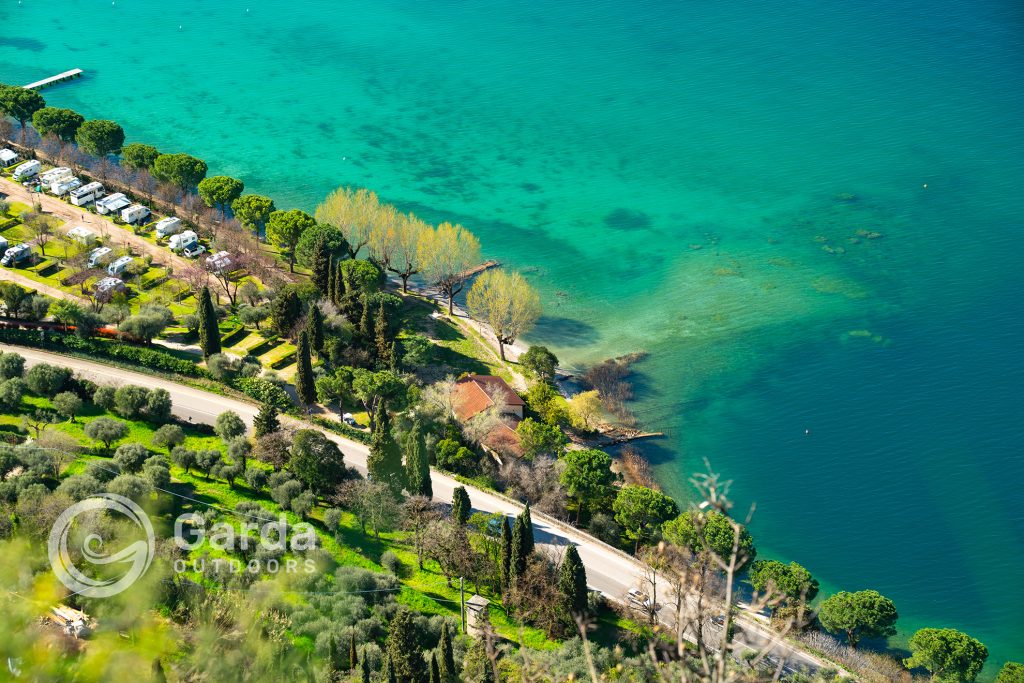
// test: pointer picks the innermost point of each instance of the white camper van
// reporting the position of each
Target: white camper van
(16, 255)
(8, 157)
(108, 286)
(86, 194)
(136, 213)
(183, 240)
(169, 226)
(27, 170)
(112, 204)
(82, 235)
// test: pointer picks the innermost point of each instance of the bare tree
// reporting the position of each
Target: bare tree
(418, 512)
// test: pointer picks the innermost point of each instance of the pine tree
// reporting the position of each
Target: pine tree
(385, 461)
(461, 507)
(364, 669)
(209, 333)
(352, 649)
(304, 385)
(321, 266)
(528, 527)
(446, 656)
(506, 554)
(403, 653)
(517, 563)
(435, 673)
(572, 583)
(417, 463)
(266, 421)
(315, 326)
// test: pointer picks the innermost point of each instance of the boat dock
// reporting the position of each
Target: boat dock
(59, 78)
(476, 270)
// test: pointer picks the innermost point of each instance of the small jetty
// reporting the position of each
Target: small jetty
(611, 435)
(59, 78)
(476, 270)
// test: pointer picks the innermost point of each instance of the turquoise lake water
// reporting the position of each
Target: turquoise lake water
(688, 179)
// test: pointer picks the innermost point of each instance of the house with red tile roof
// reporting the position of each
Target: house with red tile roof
(474, 394)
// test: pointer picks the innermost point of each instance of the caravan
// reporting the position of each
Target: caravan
(169, 226)
(98, 256)
(55, 174)
(62, 187)
(120, 265)
(111, 204)
(82, 235)
(26, 170)
(136, 213)
(86, 194)
(8, 157)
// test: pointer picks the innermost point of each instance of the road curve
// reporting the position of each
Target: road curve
(609, 570)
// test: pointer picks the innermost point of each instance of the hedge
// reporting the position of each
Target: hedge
(233, 337)
(146, 357)
(264, 391)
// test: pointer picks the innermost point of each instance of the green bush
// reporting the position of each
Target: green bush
(264, 391)
(233, 337)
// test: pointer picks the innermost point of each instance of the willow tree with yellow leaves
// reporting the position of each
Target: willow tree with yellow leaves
(506, 302)
(395, 243)
(356, 212)
(446, 255)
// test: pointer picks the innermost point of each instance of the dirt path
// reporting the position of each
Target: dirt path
(28, 283)
(73, 215)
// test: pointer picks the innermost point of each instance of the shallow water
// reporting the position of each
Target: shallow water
(676, 177)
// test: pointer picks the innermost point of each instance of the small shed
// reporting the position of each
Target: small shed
(82, 235)
(478, 619)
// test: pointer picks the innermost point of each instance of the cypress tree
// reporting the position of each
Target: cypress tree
(321, 266)
(333, 655)
(380, 333)
(435, 673)
(385, 461)
(315, 325)
(528, 528)
(407, 663)
(517, 563)
(506, 554)
(488, 675)
(352, 649)
(446, 656)
(461, 507)
(331, 274)
(266, 421)
(389, 670)
(209, 333)
(417, 463)
(364, 318)
(338, 293)
(572, 583)
(304, 385)
(364, 669)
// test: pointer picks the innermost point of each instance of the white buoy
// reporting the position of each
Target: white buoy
(807, 431)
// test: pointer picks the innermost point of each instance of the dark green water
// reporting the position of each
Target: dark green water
(596, 145)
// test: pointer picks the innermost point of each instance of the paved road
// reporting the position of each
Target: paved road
(609, 570)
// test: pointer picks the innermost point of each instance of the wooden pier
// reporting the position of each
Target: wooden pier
(476, 270)
(59, 78)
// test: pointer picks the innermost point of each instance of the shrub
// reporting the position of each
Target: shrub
(47, 380)
(130, 401)
(390, 562)
(104, 397)
(130, 457)
(11, 365)
(264, 391)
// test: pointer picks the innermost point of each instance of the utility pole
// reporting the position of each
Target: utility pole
(462, 600)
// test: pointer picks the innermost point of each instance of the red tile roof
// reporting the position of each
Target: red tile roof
(473, 395)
